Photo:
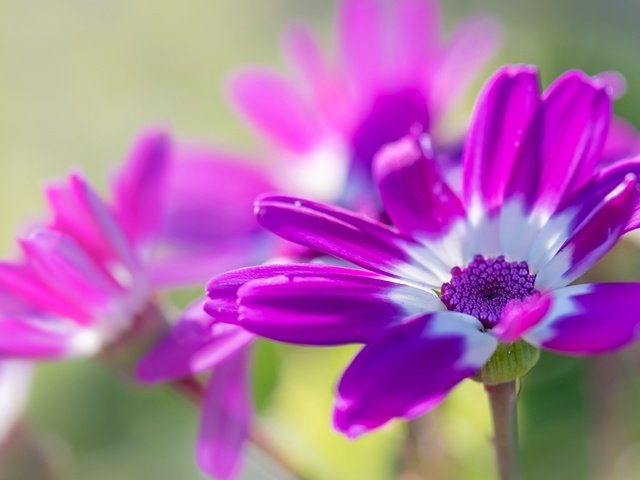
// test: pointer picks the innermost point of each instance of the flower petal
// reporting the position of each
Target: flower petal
(415, 27)
(79, 212)
(594, 237)
(330, 306)
(577, 110)
(195, 344)
(589, 319)
(409, 369)
(275, 108)
(139, 183)
(414, 193)
(361, 43)
(346, 235)
(500, 122)
(474, 42)
(226, 418)
(519, 316)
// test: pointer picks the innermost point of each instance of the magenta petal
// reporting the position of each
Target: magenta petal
(519, 316)
(226, 418)
(43, 338)
(195, 344)
(474, 42)
(67, 269)
(331, 306)
(591, 240)
(500, 123)
(413, 190)
(222, 290)
(409, 369)
(589, 319)
(79, 212)
(139, 183)
(344, 234)
(415, 28)
(276, 109)
(576, 120)
(361, 42)
(25, 287)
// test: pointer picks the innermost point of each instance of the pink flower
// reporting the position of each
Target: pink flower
(391, 71)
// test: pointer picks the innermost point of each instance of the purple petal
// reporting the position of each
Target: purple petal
(226, 418)
(623, 141)
(589, 319)
(361, 43)
(346, 235)
(68, 270)
(409, 369)
(500, 123)
(41, 337)
(519, 316)
(592, 239)
(195, 344)
(301, 49)
(80, 213)
(413, 190)
(222, 290)
(328, 306)
(275, 108)
(474, 42)
(415, 26)
(28, 292)
(138, 187)
(577, 110)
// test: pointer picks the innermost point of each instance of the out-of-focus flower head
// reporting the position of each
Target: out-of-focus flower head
(89, 279)
(391, 71)
(459, 278)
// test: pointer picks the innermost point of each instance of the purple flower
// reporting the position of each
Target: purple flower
(92, 272)
(391, 72)
(89, 278)
(458, 274)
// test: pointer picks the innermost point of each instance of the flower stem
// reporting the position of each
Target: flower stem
(502, 398)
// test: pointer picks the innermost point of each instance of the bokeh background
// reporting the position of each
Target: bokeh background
(78, 78)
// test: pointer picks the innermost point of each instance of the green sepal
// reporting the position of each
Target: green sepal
(509, 362)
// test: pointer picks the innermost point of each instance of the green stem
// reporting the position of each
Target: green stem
(502, 398)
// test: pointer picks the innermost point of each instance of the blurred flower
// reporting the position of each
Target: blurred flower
(461, 273)
(89, 279)
(392, 72)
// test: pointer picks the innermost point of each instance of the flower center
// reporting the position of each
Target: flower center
(485, 286)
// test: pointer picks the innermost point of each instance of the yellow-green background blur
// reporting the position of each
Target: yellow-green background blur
(78, 78)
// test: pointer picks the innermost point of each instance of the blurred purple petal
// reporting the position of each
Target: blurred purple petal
(196, 343)
(226, 418)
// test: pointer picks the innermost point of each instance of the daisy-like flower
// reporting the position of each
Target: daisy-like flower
(459, 278)
(390, 72)
(89, 281)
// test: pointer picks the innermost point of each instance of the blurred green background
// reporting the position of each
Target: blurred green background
(78, 78)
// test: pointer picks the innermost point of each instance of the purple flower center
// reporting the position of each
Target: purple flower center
(485, 286)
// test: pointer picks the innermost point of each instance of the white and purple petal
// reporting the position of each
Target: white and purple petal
(589, 319)
(409, 369)
(346, 235)
(592, 239)
(328, 306)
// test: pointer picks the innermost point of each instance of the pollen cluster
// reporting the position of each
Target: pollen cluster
(485, 286)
